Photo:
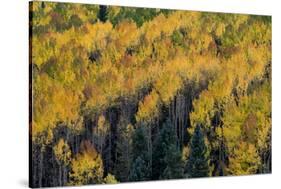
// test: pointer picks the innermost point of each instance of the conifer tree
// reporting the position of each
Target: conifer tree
(96, 69)
(140, 170)
(141, 167)
(198, 161)
(124, 152)
(103, 13)
(174, 164)
(165, 153)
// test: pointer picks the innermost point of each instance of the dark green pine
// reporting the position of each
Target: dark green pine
(198, 161)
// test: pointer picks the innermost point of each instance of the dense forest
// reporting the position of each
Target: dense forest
(120, 94)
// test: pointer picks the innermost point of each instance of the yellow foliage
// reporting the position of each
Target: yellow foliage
(68, 85)
(87, 167)
(258, 106)
(127, 34)
(244, 160)
(50, 102)
(41, 50)
(220, 29)
(148, 109)
(204, 107)
(62, 152)
(110, 179)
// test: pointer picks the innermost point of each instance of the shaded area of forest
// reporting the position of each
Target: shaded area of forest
(122, 94)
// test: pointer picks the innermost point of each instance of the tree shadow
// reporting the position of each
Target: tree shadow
(23, 182)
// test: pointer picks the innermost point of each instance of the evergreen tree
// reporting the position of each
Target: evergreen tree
(166, 140)
(141, 166)
(103, 13)
(140, 170)
(122, 65)
(174, 164)
(124, 152)
(140, 145)
(198, 161)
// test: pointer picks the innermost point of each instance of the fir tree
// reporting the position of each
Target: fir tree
(140, 145)
(174, 164)
(103, 13)
(124, 152)
(198, 161)
(141, 167)
(166, 140)
(140, 170)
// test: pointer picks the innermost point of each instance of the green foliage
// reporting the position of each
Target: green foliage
(139, 16)
(174, 164)
(141, 165)
(198, 161)
(124, 152)
(140, 146)
(165, 142)
(177, 37)
(114, 75)
(140, 170)
(103, 13)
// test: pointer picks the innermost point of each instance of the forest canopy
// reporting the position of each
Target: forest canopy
(122, 94)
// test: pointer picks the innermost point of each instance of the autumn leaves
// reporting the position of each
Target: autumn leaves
(187, 87)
